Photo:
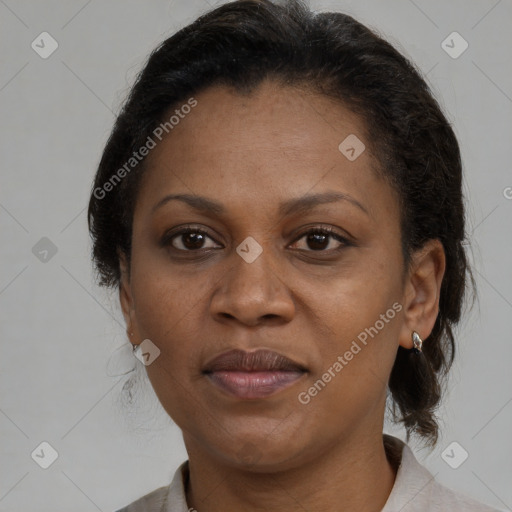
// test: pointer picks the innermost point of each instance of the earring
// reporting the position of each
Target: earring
(134, 347)
(417, 342)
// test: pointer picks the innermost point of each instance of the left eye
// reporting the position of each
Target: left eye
(189, 240)
(320, 240)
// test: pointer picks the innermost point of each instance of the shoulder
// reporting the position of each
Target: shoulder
(169, 498)
(416, 490)
(153, 501)
(443, 498)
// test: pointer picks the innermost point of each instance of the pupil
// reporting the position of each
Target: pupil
(314, 238)
(193, 240)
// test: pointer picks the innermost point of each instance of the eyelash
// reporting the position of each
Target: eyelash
(327, 230)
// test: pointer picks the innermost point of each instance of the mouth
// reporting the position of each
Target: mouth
(253, 375)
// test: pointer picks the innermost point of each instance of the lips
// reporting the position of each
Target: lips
(252, 374)
(260, 360)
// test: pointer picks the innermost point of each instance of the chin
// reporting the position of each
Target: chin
(261, 453)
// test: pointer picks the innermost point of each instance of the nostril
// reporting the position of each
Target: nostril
(226, 315)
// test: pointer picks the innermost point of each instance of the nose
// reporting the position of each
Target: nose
(253, 293)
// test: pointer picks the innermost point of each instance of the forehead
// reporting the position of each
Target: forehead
(273, 118)
(275, 142)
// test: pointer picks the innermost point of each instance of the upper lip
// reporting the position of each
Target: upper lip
(259, 360)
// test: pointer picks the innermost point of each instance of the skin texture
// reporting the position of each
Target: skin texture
(250, 154)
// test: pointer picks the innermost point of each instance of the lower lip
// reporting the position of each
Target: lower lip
(253, 384)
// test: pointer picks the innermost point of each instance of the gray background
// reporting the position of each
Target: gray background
(63, 345)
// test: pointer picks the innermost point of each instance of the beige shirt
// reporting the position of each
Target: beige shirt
(414, 490)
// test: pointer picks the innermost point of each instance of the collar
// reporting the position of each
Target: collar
(411, 479)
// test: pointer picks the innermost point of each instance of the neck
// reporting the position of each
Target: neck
(356, 474)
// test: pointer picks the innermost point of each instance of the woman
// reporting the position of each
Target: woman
(279, 205)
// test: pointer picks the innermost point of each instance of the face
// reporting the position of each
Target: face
(271, 163)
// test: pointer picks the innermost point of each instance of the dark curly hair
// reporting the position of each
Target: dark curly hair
(241, 43)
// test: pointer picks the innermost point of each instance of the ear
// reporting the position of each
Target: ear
(422, 292)
(125, 295)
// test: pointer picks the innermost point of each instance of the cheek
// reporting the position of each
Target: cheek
(163, 296)
(356, 358)
(358, 318)
(355, 298)
(169, 311)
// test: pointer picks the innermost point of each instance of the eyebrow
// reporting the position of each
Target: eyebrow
(296, 205)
